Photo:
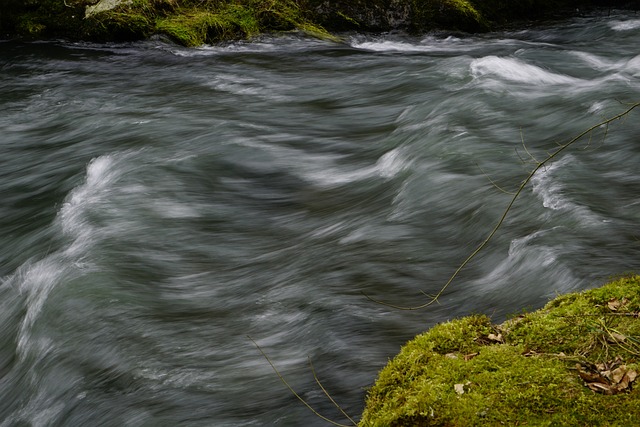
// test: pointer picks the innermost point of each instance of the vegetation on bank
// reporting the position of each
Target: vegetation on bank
(572, 363)
(194, 22)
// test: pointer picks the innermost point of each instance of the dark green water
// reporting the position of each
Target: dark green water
(159, 204)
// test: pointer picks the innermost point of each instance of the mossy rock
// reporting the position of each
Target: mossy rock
(194, 22)
(459, 15)
(359, 15)
(385, 15)
(572, 363)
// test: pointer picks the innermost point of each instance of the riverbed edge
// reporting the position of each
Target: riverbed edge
(571, 363)
(198, 22)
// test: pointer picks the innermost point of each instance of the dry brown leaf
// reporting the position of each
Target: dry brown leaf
(632, 374)
(614, 304)
(606, 379)
(600, 388)
(618, 374)
(623, 384)
(591, 377)
(615, 337)
(496, 338)
(626, 380)
(470, 356)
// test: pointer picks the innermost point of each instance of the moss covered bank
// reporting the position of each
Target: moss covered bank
(194, 22)
(572, 363)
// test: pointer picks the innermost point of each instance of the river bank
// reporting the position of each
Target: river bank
(161, 203)
(193, 23)
(572, 363)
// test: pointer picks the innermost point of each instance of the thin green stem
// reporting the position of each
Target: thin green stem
(484, 243)
(304, 402)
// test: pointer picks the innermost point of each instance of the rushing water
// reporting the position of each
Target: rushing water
(159, 205)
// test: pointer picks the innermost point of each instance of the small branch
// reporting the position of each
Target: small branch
(525, 148)
(540, 165)
(494, 183)
(304, 402)
(315, 377)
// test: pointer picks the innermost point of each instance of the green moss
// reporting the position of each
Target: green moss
(189, 29)
(30, 26)
(212, 22)
(521, 372)
(451, 14)
(466, 9)
(119, 26)
(193, 22)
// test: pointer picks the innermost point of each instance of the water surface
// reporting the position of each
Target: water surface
(160, 204)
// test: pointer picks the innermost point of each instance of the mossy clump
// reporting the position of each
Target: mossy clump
(572, 363)
(195, 22)
(188, 22)
(460, 15)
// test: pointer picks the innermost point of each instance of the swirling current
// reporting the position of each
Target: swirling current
(159, 205)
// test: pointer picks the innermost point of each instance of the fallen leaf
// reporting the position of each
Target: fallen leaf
(496, 338)
(622, 385)
(451, 356)
(618, 374)
(632, 375)
(606, 379)
(600, 388)
(615, 337)
(470, 356)
(459, 388)
(591, 377)
(614, 304)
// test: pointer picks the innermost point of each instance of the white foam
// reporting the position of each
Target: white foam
(37, 279)
(331, 174)
(548, 187)
(527, 260)
(632, 24)
(428, 44)
(515, 70)
(325, 170)
(597, 62)
(264, 44)
(390, 46)
(100, 175)
(239, 85)
(597, 107)
(633, 66)
(392, 163)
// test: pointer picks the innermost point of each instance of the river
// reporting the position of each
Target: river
(160, 205)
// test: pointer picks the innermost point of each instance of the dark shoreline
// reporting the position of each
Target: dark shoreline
(193, 22)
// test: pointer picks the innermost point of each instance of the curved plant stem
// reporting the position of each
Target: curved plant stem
(326, 393)
(304, 402)
(484, 243)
